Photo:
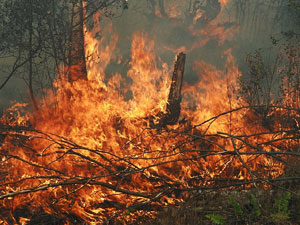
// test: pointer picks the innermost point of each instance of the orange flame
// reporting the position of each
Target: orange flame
(108, 119)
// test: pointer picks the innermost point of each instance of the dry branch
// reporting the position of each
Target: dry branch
(115, 174)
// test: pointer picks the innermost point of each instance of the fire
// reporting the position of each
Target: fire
(91, 146)
(224, 2)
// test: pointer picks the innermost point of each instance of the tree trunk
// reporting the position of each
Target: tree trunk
(30, 57)
(76, 62)
(173, 106)
(174, 99)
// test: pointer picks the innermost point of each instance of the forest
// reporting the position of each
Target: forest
(149, 112)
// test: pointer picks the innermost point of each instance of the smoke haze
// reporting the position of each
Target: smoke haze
(204, 30)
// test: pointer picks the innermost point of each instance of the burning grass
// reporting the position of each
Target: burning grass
(43, 172)
(91, 155)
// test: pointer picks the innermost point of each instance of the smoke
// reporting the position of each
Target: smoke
(203, 29)
(14, 91)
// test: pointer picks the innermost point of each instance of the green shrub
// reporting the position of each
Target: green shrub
(256, 210)
(237, 208)
(281, 205)
(216, 219)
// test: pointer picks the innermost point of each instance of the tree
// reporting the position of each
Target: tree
(76, 59)
(43, 38)
(29, 32)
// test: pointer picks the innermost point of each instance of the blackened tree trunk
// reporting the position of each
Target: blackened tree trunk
(174, 99)
(173, 108)
(76, 60)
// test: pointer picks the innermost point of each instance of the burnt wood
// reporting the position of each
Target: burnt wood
(76, 59)
(173, 105)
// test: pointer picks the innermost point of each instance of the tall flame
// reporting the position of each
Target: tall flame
(105, 123)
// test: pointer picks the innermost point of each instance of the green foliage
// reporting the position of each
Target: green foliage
(281, 211)
(237, 208)
(256, 210)
(216, 218)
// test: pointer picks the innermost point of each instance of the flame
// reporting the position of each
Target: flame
(211, 95)
(224, 2)
(90, 129)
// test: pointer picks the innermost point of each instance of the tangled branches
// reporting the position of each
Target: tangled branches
(150, 171)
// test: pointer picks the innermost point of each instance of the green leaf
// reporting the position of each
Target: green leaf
(216, 218)
(281, 205)
(237, 208)
(256, 212)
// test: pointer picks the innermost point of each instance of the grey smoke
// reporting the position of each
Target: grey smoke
(255, 22)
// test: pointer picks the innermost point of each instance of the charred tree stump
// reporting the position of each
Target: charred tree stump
(173, 105)
(76, 59)
(174, 99)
